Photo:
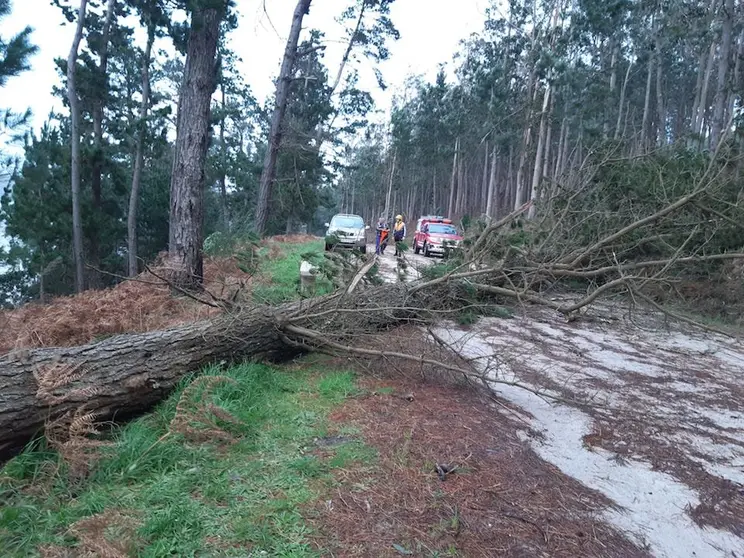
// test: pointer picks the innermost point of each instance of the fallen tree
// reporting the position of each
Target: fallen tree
(127, 374)
(508, 259)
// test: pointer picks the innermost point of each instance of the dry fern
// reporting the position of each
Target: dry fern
(70, 435)
(110, 534)
(197, 420)
(55, 551)
(51, 378)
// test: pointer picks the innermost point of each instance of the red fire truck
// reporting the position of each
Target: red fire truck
(435, 235)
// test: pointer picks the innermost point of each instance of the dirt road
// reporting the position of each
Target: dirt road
(412, 264)
(648, 415)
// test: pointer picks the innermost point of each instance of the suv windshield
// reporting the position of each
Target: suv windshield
(351, 222)
(442, 229)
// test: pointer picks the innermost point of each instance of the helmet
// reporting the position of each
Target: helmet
(399, 217)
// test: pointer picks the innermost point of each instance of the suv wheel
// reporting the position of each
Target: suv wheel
(416, 248)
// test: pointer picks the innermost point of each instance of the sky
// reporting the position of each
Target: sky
(431, 31)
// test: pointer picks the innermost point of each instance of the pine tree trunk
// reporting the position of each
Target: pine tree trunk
(736, 84)
(719, 109)
(491, 187)
(451, 206)
(139, 157)
(277, 118)
(187, 183)
(622, 101)
(388, 197)
(703, 107)
(520, 195)
(77, 224)
(647, 104)
(127, 374)
(661, 112)
(698, 92)
(561, 139)
(546, 156)
(613, 86)
(511, 187)
(461, 189)
(538, 167)
(483, 203)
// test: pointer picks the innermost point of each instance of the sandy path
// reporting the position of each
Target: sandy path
(663, 436)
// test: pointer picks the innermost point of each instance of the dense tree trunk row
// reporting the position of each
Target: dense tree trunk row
(650, 98)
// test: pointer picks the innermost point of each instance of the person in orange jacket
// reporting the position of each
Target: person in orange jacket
(382, 236)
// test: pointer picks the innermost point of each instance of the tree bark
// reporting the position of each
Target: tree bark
(541, 143)
(661, 134)
(127, 374)
(484, 182)
(349, 47)
(736, 83)
(698, 92)
(139, 157)
(519, 195)
(280, 106)
(703, 106)
(461, 189)
(615, 47)
(451, 206)
(491, 186)
(647, 103)
(187, 183)
(622, 101)
(77, 224)
(388, 197)
(723, 70)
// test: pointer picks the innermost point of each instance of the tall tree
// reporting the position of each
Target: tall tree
(187, 183)
(721, 97)
(100, 95)
(280, 106)
(149, 13)
(72, 96)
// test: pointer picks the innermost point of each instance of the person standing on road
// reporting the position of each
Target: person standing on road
(382, 236)
(399, 234)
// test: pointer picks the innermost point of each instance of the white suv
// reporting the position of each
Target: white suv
(346, 231)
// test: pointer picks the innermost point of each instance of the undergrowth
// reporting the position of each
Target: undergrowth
(280, 275)
(158, 490)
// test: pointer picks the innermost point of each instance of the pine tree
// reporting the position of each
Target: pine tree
(16, 51)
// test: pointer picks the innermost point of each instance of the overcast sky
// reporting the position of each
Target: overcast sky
(430, 33)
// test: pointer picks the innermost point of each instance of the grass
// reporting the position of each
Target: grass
(195, 499)
(281, 274)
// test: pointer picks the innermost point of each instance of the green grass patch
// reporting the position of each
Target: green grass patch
(281, 274)
(189, 498)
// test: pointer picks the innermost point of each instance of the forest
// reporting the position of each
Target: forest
(575, 358)
(548, 95)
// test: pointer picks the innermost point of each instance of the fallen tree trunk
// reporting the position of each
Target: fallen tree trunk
(127, 374)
